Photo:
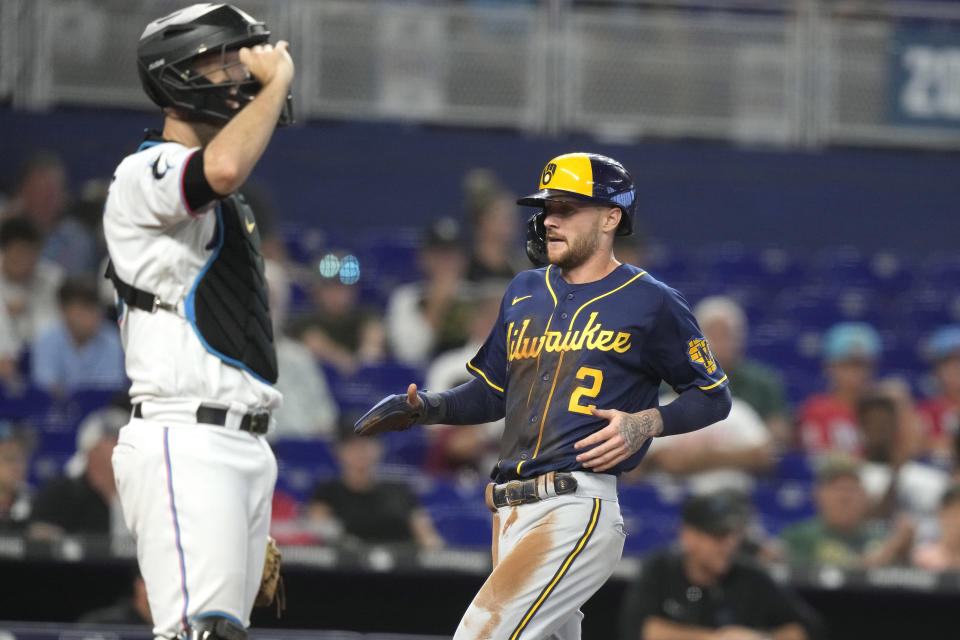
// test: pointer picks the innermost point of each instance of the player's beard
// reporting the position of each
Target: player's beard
(578, 251)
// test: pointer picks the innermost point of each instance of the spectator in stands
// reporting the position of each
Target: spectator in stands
(340, 332)
(940, 415)
(842, 533)
(83, 350)
(84, 501)
(725, 326)
(357, 507)
(9, 351)
(943, 554)
(87, 210)
(725, 455)
(893, 480)
(41, 195)
(430, 316)
(132, 609)
(309, 408)
(465, 450)
(704, 589)
(15, 448)
(828, 420)
(28, 283)
(492, 213)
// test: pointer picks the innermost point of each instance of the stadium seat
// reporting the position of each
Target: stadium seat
(779, 503)
(794, 465)
(651, 513)
(302, 463)
(464, 526)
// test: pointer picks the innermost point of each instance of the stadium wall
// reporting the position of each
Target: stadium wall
(342, 176)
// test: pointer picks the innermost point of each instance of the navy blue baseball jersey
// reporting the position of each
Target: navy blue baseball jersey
(559, 349)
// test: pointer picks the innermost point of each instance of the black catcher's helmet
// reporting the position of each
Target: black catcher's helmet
(170, 45)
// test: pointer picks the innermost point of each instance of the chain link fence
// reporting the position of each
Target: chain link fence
(410, 61)
(681, 74)
(802, 73)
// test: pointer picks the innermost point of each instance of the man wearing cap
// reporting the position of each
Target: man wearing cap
(704, 590)
(84, 501)
(358, 507)
(427, 317)
(941, 414)
(340, 331)
(842, 533)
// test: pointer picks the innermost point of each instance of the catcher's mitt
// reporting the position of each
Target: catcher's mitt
(393, 413)
(271, 584)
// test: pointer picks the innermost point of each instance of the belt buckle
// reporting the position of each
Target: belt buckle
(260, 422)
(513, 493)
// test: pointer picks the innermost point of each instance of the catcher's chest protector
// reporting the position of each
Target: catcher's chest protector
(228, 304)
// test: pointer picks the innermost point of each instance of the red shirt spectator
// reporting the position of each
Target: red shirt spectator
(827, 421)
(941, 415)
(827, 424)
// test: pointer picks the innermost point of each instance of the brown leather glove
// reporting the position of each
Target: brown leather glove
(271, 584)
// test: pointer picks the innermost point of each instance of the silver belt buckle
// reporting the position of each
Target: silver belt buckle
(517, 498)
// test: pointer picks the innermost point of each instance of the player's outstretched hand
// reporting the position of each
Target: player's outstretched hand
(621, 438)
(267, 62)
(398, 412)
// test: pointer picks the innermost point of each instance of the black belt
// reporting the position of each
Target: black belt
(257, 423)
(516, 492)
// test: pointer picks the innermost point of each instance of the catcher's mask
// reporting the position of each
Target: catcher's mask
(587, 177)
(170, 46)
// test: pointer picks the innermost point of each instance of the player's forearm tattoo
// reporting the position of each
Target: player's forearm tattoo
(637, 428)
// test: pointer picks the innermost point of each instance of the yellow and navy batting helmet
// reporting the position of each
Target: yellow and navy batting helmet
(589, 177)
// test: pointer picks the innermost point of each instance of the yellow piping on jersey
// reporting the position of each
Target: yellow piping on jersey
(573, 319)
(546, 409)
(500, 389)
(715, 384)
(561, 571)
(546, 278)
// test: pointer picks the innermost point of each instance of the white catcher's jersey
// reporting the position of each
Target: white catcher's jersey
(159, 245)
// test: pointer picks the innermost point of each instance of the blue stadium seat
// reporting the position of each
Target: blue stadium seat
(648, 529)
(794, 465)
(305, 451)
(302, 463)
(464, 526)
(779, 503)
(368, 385)
(407, 447)
(28, 404)
(651, 514)
(941, 271)
(666, 264)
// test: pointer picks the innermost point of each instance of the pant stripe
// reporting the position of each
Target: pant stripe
(561, 571)
(176, 529)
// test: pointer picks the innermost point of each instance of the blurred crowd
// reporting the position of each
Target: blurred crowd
(879, 465)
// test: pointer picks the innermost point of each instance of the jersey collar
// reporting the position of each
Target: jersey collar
(151, 137)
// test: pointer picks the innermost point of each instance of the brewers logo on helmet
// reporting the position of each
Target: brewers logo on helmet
(169, 47)
(588, 177)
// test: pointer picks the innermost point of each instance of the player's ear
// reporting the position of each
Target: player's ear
(611, 219)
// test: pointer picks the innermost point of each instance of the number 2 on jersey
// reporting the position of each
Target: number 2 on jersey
(589, 391)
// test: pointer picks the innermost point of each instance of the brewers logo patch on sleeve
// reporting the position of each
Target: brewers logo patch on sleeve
(698, 350)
